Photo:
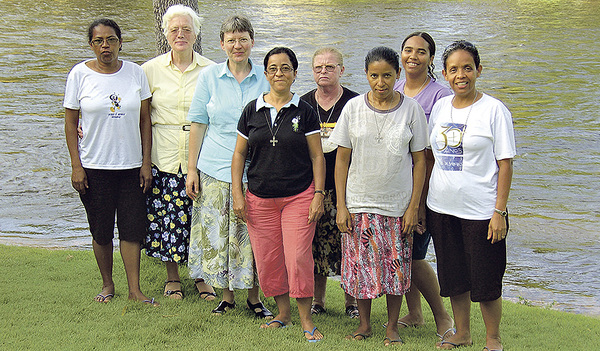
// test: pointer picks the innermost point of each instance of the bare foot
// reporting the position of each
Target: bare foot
(138, 296)
(206, 291)
(492, 344)
(107, 293)
(454, 341)
(173, 290)
(278, 322)
(410, 321)
(360, 334)
(313, 334)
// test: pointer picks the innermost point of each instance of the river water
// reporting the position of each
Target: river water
(539, 56)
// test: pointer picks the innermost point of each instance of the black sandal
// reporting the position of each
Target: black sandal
(317, 309)
(223, 307)
(263, 313)
(168, 293)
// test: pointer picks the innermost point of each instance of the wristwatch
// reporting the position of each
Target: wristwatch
(501, 213)
(320, 192)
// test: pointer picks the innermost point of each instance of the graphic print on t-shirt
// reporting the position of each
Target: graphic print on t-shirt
(449, 142)
(115, 101)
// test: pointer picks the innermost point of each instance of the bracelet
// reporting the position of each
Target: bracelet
(320, 192)
(501, 213)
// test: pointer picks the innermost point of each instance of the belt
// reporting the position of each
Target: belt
(184, 127)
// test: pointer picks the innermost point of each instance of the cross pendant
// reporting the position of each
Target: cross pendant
(378, 138)
(273, 141)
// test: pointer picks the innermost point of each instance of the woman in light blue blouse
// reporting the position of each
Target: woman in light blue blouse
(220, 254)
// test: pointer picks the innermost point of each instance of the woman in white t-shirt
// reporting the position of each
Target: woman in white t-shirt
(111, 163)
(378, 193)
(473, 144)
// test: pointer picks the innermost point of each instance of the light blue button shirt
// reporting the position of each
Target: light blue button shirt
(218, 102)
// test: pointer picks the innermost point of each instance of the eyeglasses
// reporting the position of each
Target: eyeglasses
(242, 41)
(110, 40)
(328, 68)
(285, 69)
(184, 30)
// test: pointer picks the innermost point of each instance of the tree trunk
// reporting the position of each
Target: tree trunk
(160, 7)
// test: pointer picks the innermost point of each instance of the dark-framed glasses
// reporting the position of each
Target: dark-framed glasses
(285, 69)
(110, 40)
(328, 68)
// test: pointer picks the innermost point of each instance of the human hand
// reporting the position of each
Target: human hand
(79, 180)
(497, 228)
(316, 209)
(192, 185)
(145, 177)
(410, 220)
(239, 206)
(343, 219)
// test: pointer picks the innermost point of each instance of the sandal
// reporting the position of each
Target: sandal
(317, 309)
(173, 294)
(312, 333)
(223, 307)
(260, 311)
(352, 312)
(389, 342)
(205, 295)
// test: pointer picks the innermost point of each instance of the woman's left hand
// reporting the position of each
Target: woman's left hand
(410, 220)
(497, 228)
(145, 177)
(316, 209)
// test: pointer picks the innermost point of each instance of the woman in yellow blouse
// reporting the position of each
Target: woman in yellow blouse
(172, 78)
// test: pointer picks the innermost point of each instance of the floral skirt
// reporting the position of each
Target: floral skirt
(220, 251)
(327, 244)
(169, 212)
(376, 257)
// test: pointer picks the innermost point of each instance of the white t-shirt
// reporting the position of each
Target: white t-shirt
(380, 174)
(465, 175)
(110, 114)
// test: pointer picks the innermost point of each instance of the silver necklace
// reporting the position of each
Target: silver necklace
(325, 130)
(464, 127)
(378, 138)
(267, 117)
(421, 87)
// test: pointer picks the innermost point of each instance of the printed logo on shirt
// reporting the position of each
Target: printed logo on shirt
(295, 123)
(115, 101)
(450, 142)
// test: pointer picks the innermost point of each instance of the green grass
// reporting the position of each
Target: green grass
(46, 302)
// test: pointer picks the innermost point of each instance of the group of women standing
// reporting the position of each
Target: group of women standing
(277, 179)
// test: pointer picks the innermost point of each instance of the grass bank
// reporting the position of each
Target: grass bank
(46, 302)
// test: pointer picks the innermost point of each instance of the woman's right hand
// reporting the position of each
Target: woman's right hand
(79, 180)
(192, 185)
(343, 219)
(239, 206)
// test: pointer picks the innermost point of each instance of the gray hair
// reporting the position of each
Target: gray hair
(329, 50)
(236, 23)
(180, 10)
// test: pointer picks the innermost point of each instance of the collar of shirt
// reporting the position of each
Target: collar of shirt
(260, 103)
(197, 60)
(225, 71)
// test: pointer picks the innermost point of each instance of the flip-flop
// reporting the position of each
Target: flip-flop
(312, 333)
(268, 324)
(104, 298)
(391, 342)
(353, 336)
(443, 336)
(488, 349)
(151, 302)
(454, 345)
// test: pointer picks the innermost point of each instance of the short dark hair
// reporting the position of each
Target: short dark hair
(430, 42)
(282, 50)
(105, 22)
(383, 53)
(461, 45)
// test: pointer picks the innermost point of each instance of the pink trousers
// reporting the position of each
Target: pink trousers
(281, 240)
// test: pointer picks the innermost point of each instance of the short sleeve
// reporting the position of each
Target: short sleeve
(71, 100)
(198, 112)
(340, 135)
(242, 127)
(504, 136)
